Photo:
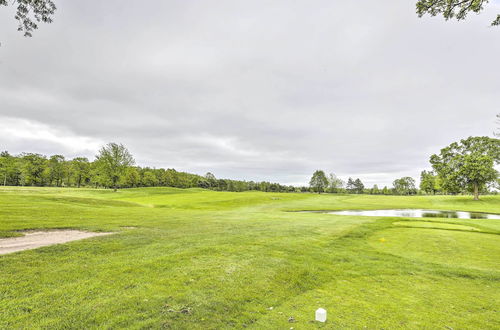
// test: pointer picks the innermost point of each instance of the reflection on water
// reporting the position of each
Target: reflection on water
(417, 213)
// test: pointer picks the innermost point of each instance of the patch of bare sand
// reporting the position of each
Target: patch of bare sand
(36, 239)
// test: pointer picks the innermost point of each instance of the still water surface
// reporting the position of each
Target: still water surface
(417, 213)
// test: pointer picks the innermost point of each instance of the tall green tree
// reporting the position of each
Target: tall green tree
(80, 170)
(404, 186)
(335, 184)
(9, 172)
(211, 180)
(149, 179)
(32, 169)
(112, 160)
(318, 181)
(350, 187)
(468, 164)
(429, 182)
(359, 187)
(56, 170)
(131, 177)
(452, 9)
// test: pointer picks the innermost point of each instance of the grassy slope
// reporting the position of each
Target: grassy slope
(225, 258)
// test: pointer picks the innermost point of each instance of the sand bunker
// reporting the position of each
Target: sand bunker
(36, 239)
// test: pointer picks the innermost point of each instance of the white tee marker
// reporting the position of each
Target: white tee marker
(321, 315)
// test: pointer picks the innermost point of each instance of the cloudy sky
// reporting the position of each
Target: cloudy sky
(257, 90)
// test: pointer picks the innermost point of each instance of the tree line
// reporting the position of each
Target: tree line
(463, 167)
(114, 167)
(467, 166)
(320, 182)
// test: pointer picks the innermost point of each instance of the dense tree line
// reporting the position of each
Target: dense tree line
(113, 168)
(463, 167)
(320, 182)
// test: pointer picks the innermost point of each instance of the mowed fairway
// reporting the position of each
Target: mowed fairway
(197, 259)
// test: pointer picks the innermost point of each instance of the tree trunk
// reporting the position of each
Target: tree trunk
(476, 192)
(5, 180)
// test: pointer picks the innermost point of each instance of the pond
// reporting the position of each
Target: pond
(415, 213)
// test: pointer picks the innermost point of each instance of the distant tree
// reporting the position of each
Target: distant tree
(386, 191)
(112, 160)
(31, 12)
(358, 186)
(149, 179)
(404, 186)
(375, 190)
(33, 166)
(211, 180)
(203, 183)
(318, 181)
(429, 182)
(56, 170)
(80, 170)
(468, 164)
(350, 187)
(450, 9)
(334, 183)
(131, 177)
(9, 172)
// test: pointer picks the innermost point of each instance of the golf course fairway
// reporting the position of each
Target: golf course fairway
(199, 259)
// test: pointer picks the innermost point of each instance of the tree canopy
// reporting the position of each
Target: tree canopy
(404, 186)
(429, 182)
(31, 12)
(468, 164)
(114, 159)
(29, 169)
(452, 9)
(318, 181)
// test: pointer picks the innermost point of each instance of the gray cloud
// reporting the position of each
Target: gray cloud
(254, 90)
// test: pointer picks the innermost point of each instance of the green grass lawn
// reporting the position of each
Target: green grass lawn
(199, 259)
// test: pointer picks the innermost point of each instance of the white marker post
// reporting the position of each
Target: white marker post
(321, 315)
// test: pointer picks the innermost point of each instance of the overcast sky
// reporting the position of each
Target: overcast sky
(256, 90)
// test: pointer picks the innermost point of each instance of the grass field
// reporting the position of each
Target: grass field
(198, 259)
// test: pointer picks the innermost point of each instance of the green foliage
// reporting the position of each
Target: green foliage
(31, 12)
(468, 165)
(9, 169)
(429, 182)
(335, 184)
(56, 170)
(131, 178)
(450, 9)
(113, 159)
(32, 169)
(405, 186)
(355, 186)
(149, 179)
(80, 170)
(107, 171)
(318, 181)
(375, 190)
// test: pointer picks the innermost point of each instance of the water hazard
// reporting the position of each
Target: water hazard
(415, 213)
